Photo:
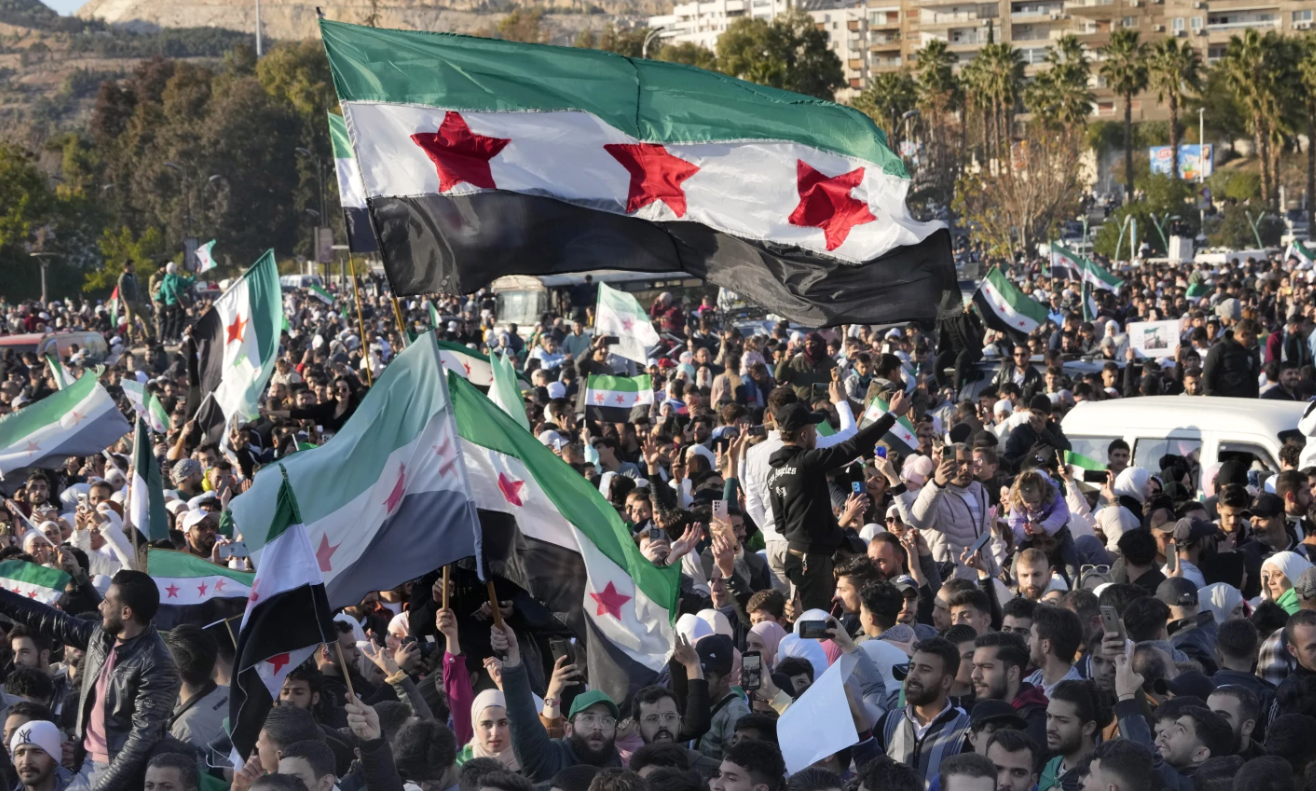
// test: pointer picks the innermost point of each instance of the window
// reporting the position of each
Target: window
(1147, 452)
(1197, 23)
(1177, 25)
(1247, 453)
(1302, 16)
(1129, 21)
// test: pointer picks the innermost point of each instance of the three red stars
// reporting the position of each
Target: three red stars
(459, 154)
(656, 175)
(826, 203)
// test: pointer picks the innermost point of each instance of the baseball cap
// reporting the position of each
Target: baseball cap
(1192, 683)
(793, 417)
(1177, 592)
(905, 583)
(1189, 530)
(1265, 505)
(715, 653)
(1305, 585)
(900, 633)
(996, 712)
(590, 698)
(193, 518)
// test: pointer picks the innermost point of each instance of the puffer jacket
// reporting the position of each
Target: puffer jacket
(139, 699)
(945, 510)
(1231, 370)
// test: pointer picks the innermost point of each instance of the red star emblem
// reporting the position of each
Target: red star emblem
(254, 595)
(447, 458)
(467, 366)
(621, 399)
(826, 203)
(511, 489)
(235, 330)
(599, 398)
(201, 589)
(609, 601)
(459, 154)
(32, 448)
(656, 175)
(279, 660)
(76, 416)
(219, 585)
(172, 590)
(325, 552)
(31, 594)
(399, 488)
(627, 324)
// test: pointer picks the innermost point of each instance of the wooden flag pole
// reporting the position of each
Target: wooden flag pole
(445, 586)
(360, 322)
(402, 327)
(493, 602)
(229, 627)
(342, 665)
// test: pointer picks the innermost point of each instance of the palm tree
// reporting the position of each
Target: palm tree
(1061, 95)
(1000, 79)
(1261, 71)
(1125, 71)
(939, 96)
(1174, 69)
(1306, 66)
(889, 96)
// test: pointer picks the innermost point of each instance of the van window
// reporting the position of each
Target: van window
(1247, 453)
(1147, 452)
(1094, 448)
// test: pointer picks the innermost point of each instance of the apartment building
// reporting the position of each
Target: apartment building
(703, 22)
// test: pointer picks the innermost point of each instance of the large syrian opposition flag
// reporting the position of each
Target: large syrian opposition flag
(621, 314)
(37, 582)
(1004, 307)
(237, 340)
(618, 399)
(902, 437)
(146, 404)
(466, 363)
(484, 158)
(146, 503)
(547, 530)
(194, 590)
(1098, 277)
(287, 618)
(351, 192)
(1065, 263)
(80, 420)
(385, 500)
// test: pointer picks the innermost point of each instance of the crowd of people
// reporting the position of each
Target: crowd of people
(1012, 624)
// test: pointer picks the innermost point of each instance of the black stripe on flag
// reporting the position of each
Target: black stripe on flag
(360, 236)
(994, 321)
(460, 243)
(613, 414)
(208, 333)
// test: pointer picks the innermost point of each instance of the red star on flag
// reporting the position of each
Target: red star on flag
(32, 448)
(459, 154)
(31, 594)
(467, 366)
(324, 553)
(399, 489)
(279, 660)
(447, 456)
(235, 330)
(201, 589)
(609, 601)
(656, 175)
(599, 398)
(172, 590)
(621, 399)
(219, 585)
(826, 203)
(76, 416)
(627, 324)
(511, 489)
(254, 597)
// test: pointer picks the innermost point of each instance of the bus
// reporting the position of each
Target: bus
(524, 299)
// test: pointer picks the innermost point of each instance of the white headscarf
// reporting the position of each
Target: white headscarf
(1290, 564)
(1220, 598)
(810, 650)
(487, 698)
(1132, 482)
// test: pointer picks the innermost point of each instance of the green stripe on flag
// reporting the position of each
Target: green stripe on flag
(15, 426)
(481, 423)
(286, 512)
(34, 574)
(1197, 291)
(338, 136)
(624, 384)
(184, 565)
(147, 469)
(650, 100)
(825, 429)
(1083, 462)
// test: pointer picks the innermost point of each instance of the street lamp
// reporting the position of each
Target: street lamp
(652, 34)
(319, 174)
(908, 116)
(214, 181)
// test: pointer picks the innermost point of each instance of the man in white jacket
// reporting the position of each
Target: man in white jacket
(954, 504)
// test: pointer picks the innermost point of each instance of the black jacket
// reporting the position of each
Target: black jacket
(1024, 437)
(1231, 370)
(797, 486)
(142, 690)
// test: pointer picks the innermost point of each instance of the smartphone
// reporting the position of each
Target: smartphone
(561, 648)
(609, 340)
(1171, 558)
(751, 671)
(857, 487)
(1095, 476)
(880, 452)
(810, 630)
(758, 431)
(981, 542)
(820, 390)
(730, 433)
(238, 549)
(657, 534)
(720, 511)
(1110, 621)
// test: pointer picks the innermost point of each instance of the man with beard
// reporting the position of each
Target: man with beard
(128, 681)
(1241, 708)
(593, 719)
(999, 661)
(200, 529)
(1074, 719)
(36, 751)
(808, 371)
(1032, 570)
(928, 729)
(659, 717)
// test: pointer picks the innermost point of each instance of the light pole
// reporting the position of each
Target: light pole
(315, 239)
(259, 49)
(319, 172)
(213, 181)
(189, 244)
(1201, 168)
(41, 261)
(652, 34)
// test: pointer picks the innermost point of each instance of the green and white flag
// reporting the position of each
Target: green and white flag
(1077, 463)
(1306, 257)
(194, 590)
(436, 321)
(618, 399)
(1099, 277)
(38, 583)
(205, 257)
(620, 314)
(1004, 307)
(466, 363)
(147, 405)
(1197, 290)
(573, 552)
(62, 377)
(146, 503)
(80, 420)
(506, 390)
(320, 294)
(901, 438)
(1065, 263)
(1089, 304)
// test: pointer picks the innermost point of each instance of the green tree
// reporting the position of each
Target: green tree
(1125, 71)
(1174, 70)
(995, 79)
(118, 246)
(1258, 69)
(1233, 229)
(1060, 94)
(1306, 68)
(888, 96)
(690, 54)
(941, 123)
(523, 25)
(790, 53)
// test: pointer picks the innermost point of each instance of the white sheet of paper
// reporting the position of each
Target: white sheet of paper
(1154, 338)
(818, 724)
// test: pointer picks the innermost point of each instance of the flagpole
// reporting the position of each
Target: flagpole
(493, 603)
(342, 664)
(445, 586)
(137, 551)
(360, 322)
(402, 327)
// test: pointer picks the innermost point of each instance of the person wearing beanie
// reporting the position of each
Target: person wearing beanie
(36, 749)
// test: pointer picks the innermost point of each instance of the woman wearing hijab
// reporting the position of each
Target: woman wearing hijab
(1131, 487)
(493, 738)
(765, 637)
(1278, 573)
(1223, 601)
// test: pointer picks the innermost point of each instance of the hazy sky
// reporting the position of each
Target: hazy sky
(65, 7)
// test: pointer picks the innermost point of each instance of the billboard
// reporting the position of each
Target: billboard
(1189, 158)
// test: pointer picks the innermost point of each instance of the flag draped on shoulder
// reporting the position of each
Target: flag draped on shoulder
(37, 582)
(287, 618)
(1065, 263)
(501, 158)
(237, 340)
(386, 499)
(146, 404)
(194, 590)
(80, 420)
(351, 192)
(146, 488)
(619, 313)
(618, 399)
(1004, 307)
(550, 532)
(902, 437)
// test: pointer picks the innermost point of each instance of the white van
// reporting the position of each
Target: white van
(1205, 429)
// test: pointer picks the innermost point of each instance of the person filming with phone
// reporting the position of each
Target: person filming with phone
(801, 505)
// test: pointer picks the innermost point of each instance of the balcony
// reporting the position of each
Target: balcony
(1090, 8)
(853, 25)
(856, 64)
(884, 41)
(1214, 27)
(949, 20)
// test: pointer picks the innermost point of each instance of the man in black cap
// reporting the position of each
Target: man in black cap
(801, 501)
(715, 659)
(990, 716)
(1191, 630)
(1190, 541)
(1269, 535)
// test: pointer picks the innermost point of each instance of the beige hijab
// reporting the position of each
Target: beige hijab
(490, 697)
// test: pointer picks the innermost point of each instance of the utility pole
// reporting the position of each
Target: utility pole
(259, 48)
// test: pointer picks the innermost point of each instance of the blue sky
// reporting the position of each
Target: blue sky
(65, 7)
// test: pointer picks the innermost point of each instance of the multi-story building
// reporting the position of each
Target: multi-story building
(703, 22)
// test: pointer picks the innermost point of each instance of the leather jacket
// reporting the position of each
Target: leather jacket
(139, 698)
